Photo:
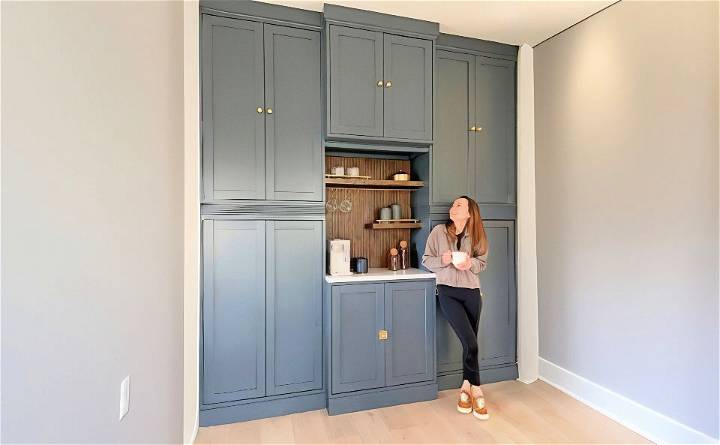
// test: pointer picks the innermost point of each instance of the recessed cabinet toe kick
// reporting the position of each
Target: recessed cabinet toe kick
(381, 343)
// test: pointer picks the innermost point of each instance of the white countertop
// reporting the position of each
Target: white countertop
(381, 274)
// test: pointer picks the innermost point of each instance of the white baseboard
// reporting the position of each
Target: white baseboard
(650, 424)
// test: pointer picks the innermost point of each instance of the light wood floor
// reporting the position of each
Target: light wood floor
(519, 413)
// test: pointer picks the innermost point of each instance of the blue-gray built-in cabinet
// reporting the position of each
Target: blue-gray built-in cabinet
(381, 342)
(261, 113)
(474, 150)
(261, 318)
(497, 340)
(282, 87)
(380, 76)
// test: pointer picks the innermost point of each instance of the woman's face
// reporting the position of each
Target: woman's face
(459, 211)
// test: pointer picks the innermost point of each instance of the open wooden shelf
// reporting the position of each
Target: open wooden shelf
(399, 225)
(372, 183)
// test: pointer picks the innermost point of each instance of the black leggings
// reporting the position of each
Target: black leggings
(462, 307)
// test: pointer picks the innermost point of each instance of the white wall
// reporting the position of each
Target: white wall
(92, 221)
(191, 300)
(626, 112)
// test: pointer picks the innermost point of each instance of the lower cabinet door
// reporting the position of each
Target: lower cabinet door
(358, 357)
(497, 336)
(449, 348)
(294, 306)
(410, 322)
(497, 330)
(233, 310)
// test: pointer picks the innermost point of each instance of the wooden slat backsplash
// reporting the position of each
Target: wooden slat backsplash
(366, 204)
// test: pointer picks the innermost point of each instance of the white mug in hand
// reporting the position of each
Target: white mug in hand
(459, 257)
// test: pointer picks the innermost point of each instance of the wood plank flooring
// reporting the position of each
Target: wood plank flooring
(519, 413)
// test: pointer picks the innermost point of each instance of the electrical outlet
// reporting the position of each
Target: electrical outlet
(124, 397)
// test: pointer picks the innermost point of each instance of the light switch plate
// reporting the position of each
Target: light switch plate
(124, 397)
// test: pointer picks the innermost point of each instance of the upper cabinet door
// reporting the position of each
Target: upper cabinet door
(453, 155)
(410, 322)
(294, 306)
(233, 310)
(293, 127)
(497, 338)
(232, 93)
(356, 98)
(495, 138)
(408, 88)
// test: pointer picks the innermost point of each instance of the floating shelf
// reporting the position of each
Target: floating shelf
(399, 225)
(372, 183)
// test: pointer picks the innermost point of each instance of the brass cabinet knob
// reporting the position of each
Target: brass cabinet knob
(259, 109)
(388, 84)
(269, 111)
(472, 128)
(479, 129)
(380, 83)
(382, 334)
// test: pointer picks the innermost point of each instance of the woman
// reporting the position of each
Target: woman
(458, 287)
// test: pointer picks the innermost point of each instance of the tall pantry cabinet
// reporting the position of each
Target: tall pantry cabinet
(474, 154)
(262, 211)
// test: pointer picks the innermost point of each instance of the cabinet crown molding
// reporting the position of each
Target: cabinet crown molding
(377, 21)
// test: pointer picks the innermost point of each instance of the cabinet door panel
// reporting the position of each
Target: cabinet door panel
(233, 310)
(408, 101)
(356, 102)
(495, 108)
(292, 90)
(409, 320)
(232, 90)
(294, 306)
(497, 336)
(358, 359)
(453, 155)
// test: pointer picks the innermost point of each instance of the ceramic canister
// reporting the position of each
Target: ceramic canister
(396, 211)
(385, 213)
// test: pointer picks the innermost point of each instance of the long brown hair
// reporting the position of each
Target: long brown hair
(474, 228)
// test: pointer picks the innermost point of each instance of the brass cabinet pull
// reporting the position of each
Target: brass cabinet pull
(269, 111)
(479, 129)
(382, 334)
(259, 109)
(388, 84)
(472, 128)
(380, 83)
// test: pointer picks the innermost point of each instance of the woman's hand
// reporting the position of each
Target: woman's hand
(446, 258)
(465, 265)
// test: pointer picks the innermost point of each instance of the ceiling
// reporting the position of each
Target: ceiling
(510, 21)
